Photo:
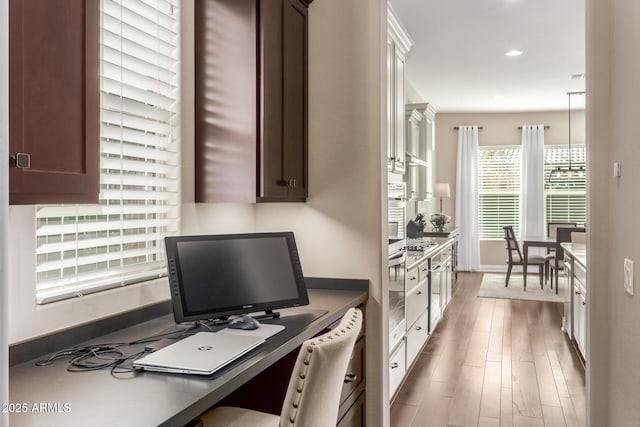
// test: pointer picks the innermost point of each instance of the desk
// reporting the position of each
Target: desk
(149, 399)
(538, 242)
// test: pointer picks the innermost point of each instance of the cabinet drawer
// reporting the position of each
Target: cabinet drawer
(355, 371)
(423, 271)
(417, 301)
(397, 368)
(412, 279)
(416, 337)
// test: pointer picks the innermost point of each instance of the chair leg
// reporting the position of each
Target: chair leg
(546, 272)
(541, 271)
(506, 283)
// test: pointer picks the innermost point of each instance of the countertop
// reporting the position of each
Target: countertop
(577, 251)
(97, 398)
(414, 258)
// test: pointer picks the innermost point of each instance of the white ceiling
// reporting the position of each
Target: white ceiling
(458, 63)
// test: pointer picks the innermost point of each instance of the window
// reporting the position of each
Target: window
(498, 190)
(565, 194)
(87, 248)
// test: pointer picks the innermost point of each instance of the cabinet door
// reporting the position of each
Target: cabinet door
(54, 100)
(429, 128)
(225, 101)
(391, 110)
(397, 368)
(270, 179)
(283, 87)
(399, 163)
(295, 99)
(582, 327)
(576, 312)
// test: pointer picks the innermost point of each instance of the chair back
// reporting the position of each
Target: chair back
(313, 396)
(564, 235)
(513, 248)
(553, 226)
(579, 237)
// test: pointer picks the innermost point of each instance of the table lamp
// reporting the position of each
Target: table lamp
(442, 190)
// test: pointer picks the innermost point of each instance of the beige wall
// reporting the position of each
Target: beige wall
(613, 344)
(497, 129)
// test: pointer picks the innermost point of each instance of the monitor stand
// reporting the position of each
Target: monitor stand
(268, 314)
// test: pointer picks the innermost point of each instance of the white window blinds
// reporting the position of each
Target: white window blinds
(565, 195)
(498, 190)
(87, 248)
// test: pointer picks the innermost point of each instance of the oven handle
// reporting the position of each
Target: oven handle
(397, 259)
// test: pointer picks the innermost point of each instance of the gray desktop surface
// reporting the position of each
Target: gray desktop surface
(150, 398)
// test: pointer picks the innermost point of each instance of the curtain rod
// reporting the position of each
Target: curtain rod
(458, 127)
(545, 126)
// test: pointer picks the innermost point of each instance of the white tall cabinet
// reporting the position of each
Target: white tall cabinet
(420, 125)
(398, 45)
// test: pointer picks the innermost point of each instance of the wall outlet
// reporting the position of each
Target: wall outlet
(628, 276)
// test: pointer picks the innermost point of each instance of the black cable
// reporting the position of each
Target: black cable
(111, 355)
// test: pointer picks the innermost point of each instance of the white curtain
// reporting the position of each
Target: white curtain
(532, 183)
(467, 199)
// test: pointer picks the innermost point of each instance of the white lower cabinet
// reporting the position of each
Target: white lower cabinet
(397, 368)
(417, 301)
(416, 337)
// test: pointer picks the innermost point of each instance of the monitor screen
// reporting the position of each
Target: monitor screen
(216, 276)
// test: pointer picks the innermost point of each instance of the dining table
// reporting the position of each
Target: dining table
(536, 242)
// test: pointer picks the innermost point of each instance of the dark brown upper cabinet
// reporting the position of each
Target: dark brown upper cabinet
(54, 101)
(251, 100)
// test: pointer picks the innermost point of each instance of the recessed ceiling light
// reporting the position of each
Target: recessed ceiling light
(514, 53)
(498, 98)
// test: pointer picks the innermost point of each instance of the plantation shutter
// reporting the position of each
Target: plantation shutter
(87, 248)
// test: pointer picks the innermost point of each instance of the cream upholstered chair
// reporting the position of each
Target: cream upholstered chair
(313, 395)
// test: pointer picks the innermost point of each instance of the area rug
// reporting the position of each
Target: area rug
(493, 287)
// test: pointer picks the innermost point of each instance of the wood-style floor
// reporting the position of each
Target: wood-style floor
(494, 362)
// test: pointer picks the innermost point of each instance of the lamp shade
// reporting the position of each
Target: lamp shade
(442, 190)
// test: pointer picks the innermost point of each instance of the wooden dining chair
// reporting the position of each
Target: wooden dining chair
(514, 256)
(553, 226)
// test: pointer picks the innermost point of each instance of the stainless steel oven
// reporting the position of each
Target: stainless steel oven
(396, 275)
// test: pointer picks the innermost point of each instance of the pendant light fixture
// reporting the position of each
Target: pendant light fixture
(569, 171)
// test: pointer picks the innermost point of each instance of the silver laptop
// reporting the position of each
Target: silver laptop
(200, 354)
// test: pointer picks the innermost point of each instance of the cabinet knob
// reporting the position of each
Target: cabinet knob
(20, 160)
(394, 365)
(418, 328)
(419, 293)
(584, 303)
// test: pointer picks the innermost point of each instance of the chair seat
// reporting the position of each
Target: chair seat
(238, 417)
(536, 260)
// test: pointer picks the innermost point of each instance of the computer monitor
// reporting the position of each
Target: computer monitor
(215, 276)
